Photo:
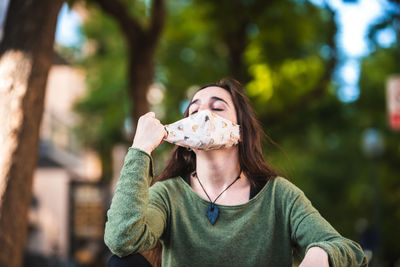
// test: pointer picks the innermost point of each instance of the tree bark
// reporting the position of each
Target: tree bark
(26, 54)
(141, 71)
(142, 44)
(236, 43)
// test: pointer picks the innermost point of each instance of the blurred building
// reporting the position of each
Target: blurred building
(67, 214)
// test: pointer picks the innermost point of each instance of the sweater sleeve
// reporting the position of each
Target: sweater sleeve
(135, 221)
(310, 229)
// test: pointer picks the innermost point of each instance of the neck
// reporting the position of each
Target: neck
(218, 168)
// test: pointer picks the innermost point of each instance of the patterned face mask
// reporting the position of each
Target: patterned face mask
(203, 130)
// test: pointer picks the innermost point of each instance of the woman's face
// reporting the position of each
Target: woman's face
(215, 99)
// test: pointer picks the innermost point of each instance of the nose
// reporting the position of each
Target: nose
(204, 107)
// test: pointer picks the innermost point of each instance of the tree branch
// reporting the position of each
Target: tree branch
(118, 11)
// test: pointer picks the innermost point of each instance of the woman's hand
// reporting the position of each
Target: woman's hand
(315, 257)
(149, 133)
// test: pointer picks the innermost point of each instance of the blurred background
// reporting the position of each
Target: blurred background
(323, 77)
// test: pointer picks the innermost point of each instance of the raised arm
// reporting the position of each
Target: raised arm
(137, 219)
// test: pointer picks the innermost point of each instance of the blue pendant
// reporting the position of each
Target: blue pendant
(212, 213)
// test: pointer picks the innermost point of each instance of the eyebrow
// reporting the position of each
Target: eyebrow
(215, 98)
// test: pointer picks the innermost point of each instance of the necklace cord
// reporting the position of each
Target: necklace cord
(213, 202)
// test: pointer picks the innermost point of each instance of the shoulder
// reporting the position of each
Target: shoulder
(284, 186)
(170, 185)
(285, 191)
(166, 193)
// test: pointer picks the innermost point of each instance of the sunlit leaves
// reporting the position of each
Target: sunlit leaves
(261, 86)
(285, 83)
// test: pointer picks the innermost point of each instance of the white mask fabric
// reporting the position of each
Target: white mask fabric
(203, 130)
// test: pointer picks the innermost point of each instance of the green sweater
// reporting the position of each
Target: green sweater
(261, 232)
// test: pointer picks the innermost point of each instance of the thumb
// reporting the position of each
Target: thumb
(151, 114)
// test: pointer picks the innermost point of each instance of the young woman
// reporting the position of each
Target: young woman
(218, 207)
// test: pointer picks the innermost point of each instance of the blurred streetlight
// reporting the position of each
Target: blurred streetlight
(372, 143)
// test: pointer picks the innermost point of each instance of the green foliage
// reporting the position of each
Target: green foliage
(282, 86)
(283, 59)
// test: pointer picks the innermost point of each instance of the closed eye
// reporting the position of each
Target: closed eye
(213, 109)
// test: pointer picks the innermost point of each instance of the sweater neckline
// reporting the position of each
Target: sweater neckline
(206, 202)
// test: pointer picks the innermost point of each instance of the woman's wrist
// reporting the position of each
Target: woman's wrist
(143, 148)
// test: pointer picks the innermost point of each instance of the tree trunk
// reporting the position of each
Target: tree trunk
(142, 44)
(141, 71)
(236, 43)
(26, 54)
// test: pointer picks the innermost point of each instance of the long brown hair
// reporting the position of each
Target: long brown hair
(183, 161)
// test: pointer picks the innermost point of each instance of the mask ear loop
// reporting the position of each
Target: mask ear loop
(166, 130)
